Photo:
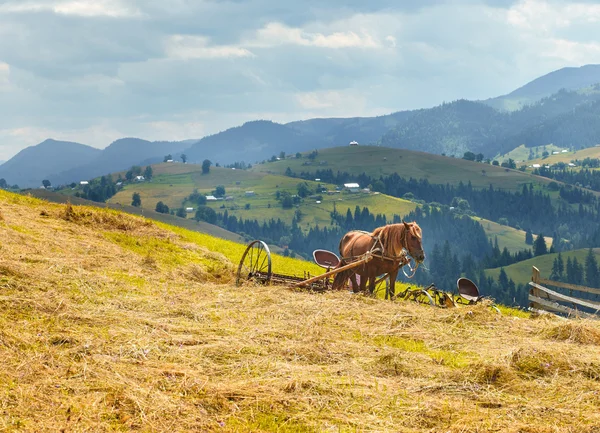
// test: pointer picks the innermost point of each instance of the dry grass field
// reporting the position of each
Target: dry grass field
(110, 322)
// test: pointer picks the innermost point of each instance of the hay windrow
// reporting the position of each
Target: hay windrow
(575, 331)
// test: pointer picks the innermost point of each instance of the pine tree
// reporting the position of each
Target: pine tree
(349, 219)
(578, 275)
(591, 269)
(570, 271)
(554, 273)
(560, 267)
(539, 246)
(528, 237)
(503, 280)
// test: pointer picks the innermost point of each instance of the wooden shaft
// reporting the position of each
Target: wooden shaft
(335, 271)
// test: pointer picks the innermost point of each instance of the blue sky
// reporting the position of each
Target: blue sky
(95, 71)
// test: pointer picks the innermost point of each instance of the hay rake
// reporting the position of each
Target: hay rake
(255, 265)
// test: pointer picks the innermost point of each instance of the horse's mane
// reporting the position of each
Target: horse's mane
(393, 236)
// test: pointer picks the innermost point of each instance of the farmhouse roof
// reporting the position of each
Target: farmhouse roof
(351, 185)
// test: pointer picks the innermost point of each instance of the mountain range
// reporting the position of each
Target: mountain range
(63, 162)
(562, 107)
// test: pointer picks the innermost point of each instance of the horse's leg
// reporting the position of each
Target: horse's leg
(372, 284)
(363, 283)
(393, 275)
(354, 282)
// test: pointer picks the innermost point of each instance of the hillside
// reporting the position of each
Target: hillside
(32, 165)
(172, 183)
(521, 272)
(566, 157)
(569, 78)
(453, 129)
(509, 237)
(340, 131)
(197, 226)
(378, 161)
(565, 118)
(111, 322)
(119, 155)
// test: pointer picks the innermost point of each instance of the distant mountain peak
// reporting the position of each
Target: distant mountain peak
(569, 78)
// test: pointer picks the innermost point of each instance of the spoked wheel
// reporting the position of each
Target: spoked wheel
(255, 264)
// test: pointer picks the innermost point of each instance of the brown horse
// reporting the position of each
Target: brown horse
(389, 241)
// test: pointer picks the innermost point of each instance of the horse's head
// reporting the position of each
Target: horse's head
(413, 241)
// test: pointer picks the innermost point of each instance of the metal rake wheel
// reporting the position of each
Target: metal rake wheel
(255, 264)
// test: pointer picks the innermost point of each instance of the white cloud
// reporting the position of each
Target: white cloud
(335, 102)
(544, 16)
(4, 76)
(182, 69)
(170, 130)
(571, 52)
(197, 47)
(274, 34)
(83, 8)
(391, 40)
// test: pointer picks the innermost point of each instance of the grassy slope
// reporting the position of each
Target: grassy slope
(590, 152)
(113, 323)
(199, 226)
(508, 237)
(419, 165)
(521, 272)
(521, 153)
(173, 182)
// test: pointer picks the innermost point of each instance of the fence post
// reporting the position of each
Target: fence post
(535, 275)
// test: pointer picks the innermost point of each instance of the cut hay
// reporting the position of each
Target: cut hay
(576, 331)
(122, 329)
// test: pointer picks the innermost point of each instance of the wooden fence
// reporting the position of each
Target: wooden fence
(543, 298)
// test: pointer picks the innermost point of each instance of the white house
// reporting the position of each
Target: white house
(189, 209)
(353, 143)
(211, 198)
(352, 187)
(564, 151)
(536, 165)
(572, 165)
(555, 152)
(84, 182)
(139, 178)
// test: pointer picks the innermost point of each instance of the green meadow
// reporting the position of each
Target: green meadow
(508, 237)
(172, 183)
(521, 272)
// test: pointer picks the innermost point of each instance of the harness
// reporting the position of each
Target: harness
(378, 250)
